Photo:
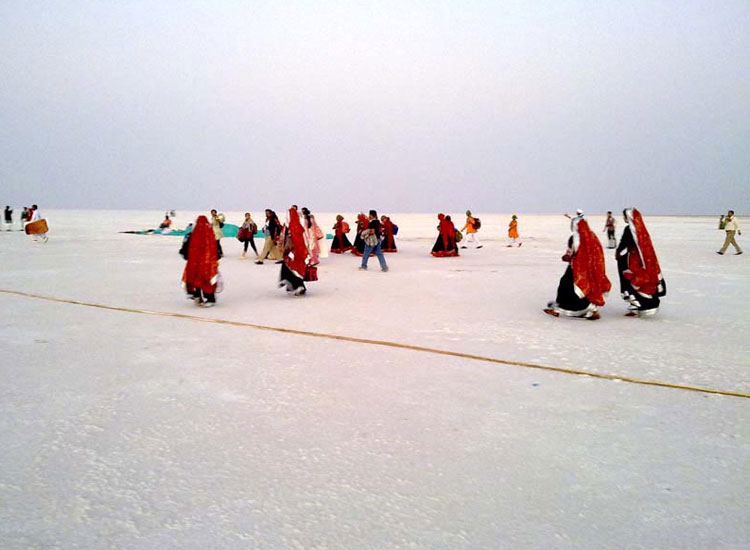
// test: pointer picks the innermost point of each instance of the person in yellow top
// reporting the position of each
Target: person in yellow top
(471, 228)
(513, 231)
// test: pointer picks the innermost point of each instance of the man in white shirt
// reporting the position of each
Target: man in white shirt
(731, 227)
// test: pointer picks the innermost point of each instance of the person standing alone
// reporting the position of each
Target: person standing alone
(609, 227)
(731, 227)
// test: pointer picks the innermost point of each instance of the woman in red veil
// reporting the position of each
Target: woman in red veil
(445, 244)
(584, 285)
(292, 276)
(641, 282)
(201, 273)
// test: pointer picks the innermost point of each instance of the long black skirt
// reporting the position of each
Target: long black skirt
(341, 245)
(567, 301)
(637, 300)
(440, 250)
(290, 280)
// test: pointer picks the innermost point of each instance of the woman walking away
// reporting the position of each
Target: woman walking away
(641, 283)
(445, 244)
(730, 225)
(359, 243)
(584, 284)
(294, 266)
(340, 242)
(246, 235)
(313, 234)
(388, 229)
(272, 231)
(513, 231)
(201, 274)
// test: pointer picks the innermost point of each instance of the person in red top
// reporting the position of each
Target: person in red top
(389, 242)
(340, 242)
(359, 243)
(584, 285)
(294, 267)
(641, 282)
(201, 274)
(445, 244)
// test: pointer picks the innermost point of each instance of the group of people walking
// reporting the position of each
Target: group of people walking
(584, 285)
(31, 222)
(297, 245)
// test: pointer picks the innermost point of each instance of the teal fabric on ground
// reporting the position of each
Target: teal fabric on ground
(230, 230)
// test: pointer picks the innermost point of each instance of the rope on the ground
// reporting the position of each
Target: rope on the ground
(385, 343)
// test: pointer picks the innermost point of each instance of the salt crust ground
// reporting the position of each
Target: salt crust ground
(130, 431)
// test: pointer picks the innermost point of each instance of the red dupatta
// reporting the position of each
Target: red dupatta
(202, 268)
(443, 228)
(589, 274)
(295, 260)
(643, 272)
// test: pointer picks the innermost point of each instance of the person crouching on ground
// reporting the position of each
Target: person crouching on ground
(201, 274)
(584, 284)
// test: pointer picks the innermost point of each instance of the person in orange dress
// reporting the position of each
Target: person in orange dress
(513, 231)
(471, 229)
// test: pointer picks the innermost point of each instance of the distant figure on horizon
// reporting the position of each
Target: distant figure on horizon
(513, 231)
(246, 235)
(341, 243)
(8, 218)
(201, 274)
(609, 227)
(445, 244)
(166, 224)
(731, 227)
(641, 282)
(39, 231)
(584, 285)
(471, 227)
(388, 229)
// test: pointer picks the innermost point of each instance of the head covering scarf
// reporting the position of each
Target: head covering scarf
(202, 268)
(295, 260)
(589, 275)
(443, 228)
(643, 272)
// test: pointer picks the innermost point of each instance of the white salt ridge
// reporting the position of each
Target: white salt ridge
(132, 431)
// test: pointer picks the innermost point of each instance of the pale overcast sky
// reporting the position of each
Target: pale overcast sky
(404, 106)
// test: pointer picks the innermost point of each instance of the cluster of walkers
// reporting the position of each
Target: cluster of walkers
(297, 245)
(584, 285)
(31, 222)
